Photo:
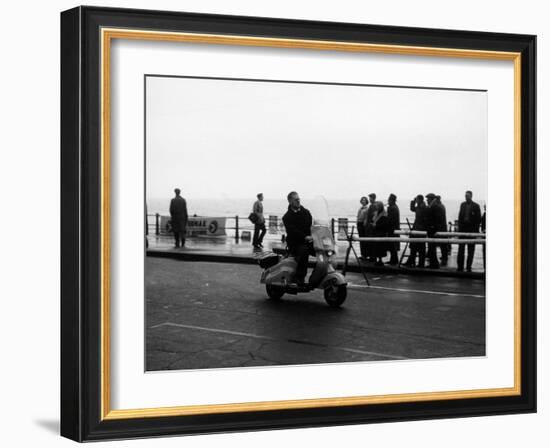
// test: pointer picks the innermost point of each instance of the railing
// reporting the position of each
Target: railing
(337, 225)
(339, 228)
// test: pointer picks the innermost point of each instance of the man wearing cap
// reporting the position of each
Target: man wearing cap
(178, 213)
(259, 225)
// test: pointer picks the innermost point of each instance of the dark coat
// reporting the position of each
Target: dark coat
(394, 220)
(420, 212)
(381, 229)
(469, 223)
(178, 212)
(436, 219)
(298, 226)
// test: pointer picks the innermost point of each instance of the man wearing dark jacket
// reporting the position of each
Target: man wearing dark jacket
(469, 219)
(178, 213)
(418, 206)
(297, 221)
(441, 226)
(435, 219)
(394, 223)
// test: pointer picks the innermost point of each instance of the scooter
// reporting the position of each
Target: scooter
(279, 275)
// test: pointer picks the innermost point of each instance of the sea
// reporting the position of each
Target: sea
(336, 208)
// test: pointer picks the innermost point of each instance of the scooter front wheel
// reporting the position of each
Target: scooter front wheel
(335, 295)
(274, 292)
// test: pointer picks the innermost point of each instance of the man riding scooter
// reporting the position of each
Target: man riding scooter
(304, 238)
(297, 221)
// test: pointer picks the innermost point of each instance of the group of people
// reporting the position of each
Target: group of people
(373, 220)
(430, 217)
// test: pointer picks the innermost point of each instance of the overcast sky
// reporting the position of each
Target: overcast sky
(232, 139)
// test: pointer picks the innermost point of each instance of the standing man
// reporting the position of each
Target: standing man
(434, 217)
(469, 219)
(441, 226)
(259, 225)
(297, 221)
(394, 223)
(178, 212)
(370, 248)
(418, 206)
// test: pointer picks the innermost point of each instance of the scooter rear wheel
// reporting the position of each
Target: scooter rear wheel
(335, 295)
(274, 292)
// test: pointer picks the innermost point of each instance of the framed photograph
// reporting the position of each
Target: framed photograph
(273, 223)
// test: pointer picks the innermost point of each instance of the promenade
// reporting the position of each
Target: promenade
(228, 249)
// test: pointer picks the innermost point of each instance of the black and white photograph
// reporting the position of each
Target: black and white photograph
(297, 223)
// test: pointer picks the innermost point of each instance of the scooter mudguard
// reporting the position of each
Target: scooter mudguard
(281, 274)
(333, 278)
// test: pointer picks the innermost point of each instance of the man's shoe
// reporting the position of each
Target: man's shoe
(459, 269)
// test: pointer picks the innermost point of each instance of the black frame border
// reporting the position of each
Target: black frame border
(81, 223)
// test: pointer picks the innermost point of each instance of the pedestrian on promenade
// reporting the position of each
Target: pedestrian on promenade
(380, 229)
(259, 225)
(297, 221)
(441, 226)
(369, 229)
(434, 216)
(394, 223)
(178, 213)
(418, 206)
(362, 225)
(469, 220)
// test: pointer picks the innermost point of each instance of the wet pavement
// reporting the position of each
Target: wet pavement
(211, 315)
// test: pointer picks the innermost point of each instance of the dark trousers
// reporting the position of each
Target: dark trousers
(362, 231)
(420, 250)
(432, 251)
(370, 248)
(394, 247)
(460, 256)
(461, 249)
(259, 233)
(432, 255)
(444, 253)
(301, 253)
(179, 236)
